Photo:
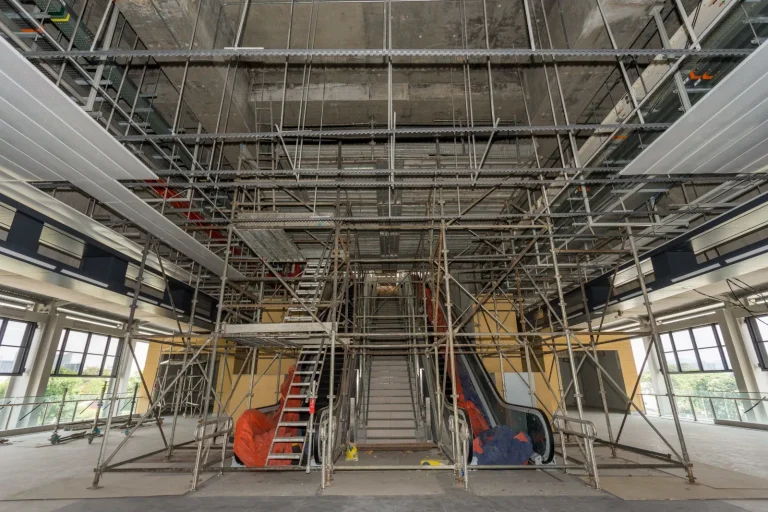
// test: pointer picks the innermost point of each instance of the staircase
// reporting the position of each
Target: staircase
(309, 290)
(391, 412)
(293, 423)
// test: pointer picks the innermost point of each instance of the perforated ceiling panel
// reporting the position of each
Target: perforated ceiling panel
(727, 132)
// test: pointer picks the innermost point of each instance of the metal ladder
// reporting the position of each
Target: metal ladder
(309, 290)
(309, 367)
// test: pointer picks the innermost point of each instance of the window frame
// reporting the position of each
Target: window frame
(26, 344)
(760, 345)
(56, 367)
(719, 344)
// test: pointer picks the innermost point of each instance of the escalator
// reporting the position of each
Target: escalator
(484, 408)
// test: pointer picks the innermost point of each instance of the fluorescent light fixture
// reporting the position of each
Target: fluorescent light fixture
(753, 252)
(243, 47)
(111, 326)
(16, 299)
(601, 306)
(86, 315)
(695, 273)
(86, 279)
(13, 306)
(622, 321)
(691, 317)
(633, 295)
(149, 330)
(142, 299)
(690, 311)
(27, 258)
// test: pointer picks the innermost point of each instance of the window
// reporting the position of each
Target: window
(151, 284)
(7, 214)
(699, 349)
(86, 354)
(15, 338)
(758, 328)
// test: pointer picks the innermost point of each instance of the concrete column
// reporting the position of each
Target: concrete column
(34, 380)
(741, 351)
(124, 367)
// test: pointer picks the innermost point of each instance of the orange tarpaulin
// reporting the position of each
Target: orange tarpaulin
(255, 430)
(476, 418)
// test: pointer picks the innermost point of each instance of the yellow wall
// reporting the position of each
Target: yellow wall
(514, 360)
(264, 392)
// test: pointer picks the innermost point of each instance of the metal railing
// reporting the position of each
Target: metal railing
(584, 431)
(733, 406)
(37, 411)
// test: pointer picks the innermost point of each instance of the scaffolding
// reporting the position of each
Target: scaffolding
(479, 211)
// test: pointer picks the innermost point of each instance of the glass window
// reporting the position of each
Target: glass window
(705, 337)
(688, 361)
(666, 342)
(711, 359)
(758, 327)
(695, 350)
(15, 338)
(682, 340)
(86, 354)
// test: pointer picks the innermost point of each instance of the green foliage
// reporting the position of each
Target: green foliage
(704, 383)
(715, 385)
(3, 387)
(74, 385)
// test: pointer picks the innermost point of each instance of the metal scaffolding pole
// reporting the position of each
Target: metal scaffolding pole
(656, 342)
(101, 462)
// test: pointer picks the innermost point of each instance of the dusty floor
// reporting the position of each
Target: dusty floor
(33, 472)
(737, 449)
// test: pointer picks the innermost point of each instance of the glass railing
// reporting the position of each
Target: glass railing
(37, 411)
(711, 406)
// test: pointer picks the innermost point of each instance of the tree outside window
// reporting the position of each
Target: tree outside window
(86, 354)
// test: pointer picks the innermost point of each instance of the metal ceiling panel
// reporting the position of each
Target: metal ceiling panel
(272, 244)
(725, 132)
(38, 109)
(53, 138)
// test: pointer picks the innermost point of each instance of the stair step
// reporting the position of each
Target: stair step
(296, 409)
(390, 415)
(388, 407)
(390, 392)
(289, 439)
(289, 456)
(391, 433)
(297, 396)
(292, 424)
(391, 424)
(390, 400)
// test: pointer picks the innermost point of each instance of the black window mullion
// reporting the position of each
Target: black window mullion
(85, 354)
(721, 349)
(26, 342)
(757, 341)
(2, 330)
(104, 356)
(116, 362)
(61, 352)
(674, 352)
(695, 349)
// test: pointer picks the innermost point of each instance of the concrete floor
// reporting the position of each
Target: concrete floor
(33, 472)
(733, 448)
